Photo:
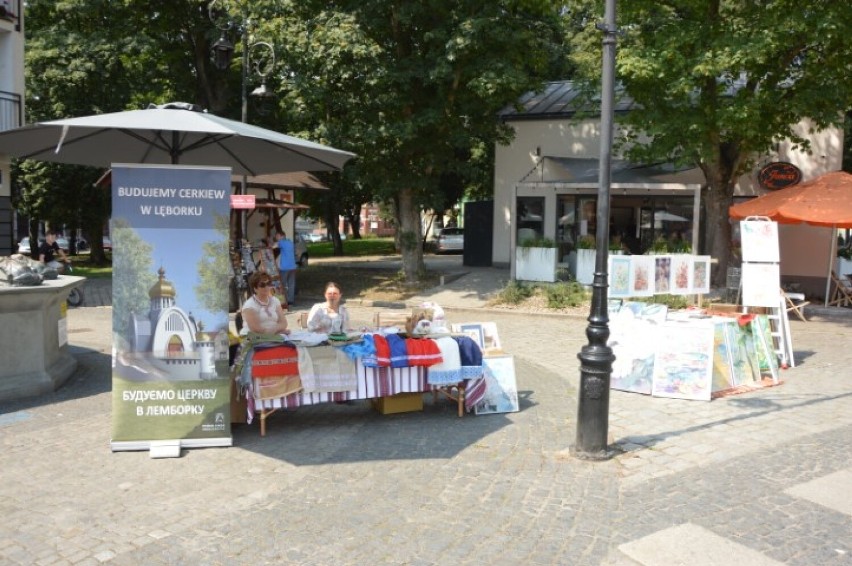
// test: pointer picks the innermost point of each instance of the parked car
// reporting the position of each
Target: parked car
(311, 237)
(107, 244)
(450, 240)
(24, 246)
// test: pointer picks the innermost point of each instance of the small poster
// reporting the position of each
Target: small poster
(759, 239)
(662, 274)
(642, 276)
(502, 390)
(619, 276)
(761, 284)
(701, 274)
(683, 363)
(681, 268)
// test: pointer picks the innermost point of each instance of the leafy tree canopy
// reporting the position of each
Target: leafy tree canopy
(718, 82)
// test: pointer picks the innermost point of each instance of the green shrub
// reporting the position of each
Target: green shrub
(586, 243)
(537, 242)
(515, 293)
(672, 301)
(568, 294)
(563, 274)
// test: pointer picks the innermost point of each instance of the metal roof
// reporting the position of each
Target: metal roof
(560, 99)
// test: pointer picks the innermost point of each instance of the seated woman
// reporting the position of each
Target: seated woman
(263, 311)
(329, 316)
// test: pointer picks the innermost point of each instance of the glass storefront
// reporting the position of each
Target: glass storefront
(637, 224)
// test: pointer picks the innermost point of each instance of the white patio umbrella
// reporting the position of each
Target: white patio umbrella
(169, 134)
(661, 216)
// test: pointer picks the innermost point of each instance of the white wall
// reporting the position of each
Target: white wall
(561, 138)
(581, 139)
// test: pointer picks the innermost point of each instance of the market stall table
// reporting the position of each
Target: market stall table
(265, 396)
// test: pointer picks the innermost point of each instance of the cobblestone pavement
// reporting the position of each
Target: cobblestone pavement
(759, 478)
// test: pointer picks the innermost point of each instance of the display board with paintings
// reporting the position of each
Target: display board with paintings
(647, 275)
(692, 358)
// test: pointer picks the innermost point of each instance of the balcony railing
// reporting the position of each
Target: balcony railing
(11, 111)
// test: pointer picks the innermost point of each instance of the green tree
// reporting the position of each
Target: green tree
(414, 89)
(214, 269)
(132, 276)
(718, 82)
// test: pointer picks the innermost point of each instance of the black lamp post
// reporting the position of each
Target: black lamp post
(222, 53)
(596, 357)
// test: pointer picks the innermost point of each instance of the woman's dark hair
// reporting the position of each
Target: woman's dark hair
(256, 277)
(332, 284)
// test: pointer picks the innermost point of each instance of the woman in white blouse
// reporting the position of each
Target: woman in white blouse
(329, 316)
(263, 312)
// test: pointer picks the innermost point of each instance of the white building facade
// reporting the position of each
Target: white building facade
(546, 180)
(11, 106)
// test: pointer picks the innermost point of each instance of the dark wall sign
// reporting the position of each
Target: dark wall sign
(779, 175)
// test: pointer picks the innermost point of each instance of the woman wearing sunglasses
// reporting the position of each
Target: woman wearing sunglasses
(263, 311)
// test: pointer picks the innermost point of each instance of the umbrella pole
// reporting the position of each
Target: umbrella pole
(832, 247)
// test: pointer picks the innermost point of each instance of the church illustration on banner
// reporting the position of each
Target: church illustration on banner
(172, 341)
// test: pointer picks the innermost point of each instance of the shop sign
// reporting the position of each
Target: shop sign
(243, 201)
(779, 175)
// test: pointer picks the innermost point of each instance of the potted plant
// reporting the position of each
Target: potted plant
(535, 260)
(581, 262)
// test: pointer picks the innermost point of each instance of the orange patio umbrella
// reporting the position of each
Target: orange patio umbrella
(823, 201)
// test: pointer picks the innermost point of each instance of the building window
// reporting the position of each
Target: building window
(530, 220)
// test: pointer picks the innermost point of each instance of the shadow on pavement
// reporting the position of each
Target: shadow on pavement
(353, 433)
(760, 407)
(93, 376)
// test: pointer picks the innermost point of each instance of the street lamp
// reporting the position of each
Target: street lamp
(596, 357)
(222, 53)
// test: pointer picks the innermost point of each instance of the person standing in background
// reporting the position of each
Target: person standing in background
(287, 265)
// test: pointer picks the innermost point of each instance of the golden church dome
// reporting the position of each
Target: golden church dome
(163, 287)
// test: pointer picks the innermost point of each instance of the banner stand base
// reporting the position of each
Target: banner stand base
(166, 448)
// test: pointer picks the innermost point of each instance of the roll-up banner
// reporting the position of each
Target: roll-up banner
(170, 234)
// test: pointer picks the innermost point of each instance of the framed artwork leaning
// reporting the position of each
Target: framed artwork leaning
(502, 393)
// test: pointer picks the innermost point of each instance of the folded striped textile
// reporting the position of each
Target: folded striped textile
(422, 352)
(326, 369)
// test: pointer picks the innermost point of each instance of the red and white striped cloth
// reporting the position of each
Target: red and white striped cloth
(372, 383)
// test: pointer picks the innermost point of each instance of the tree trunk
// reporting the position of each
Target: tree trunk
(410, 238)
(717, 198)
(355, 223)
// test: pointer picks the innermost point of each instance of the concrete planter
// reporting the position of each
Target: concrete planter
(34, 331)
(581, 265)
(535, 264)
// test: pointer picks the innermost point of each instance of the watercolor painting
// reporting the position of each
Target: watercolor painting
(502, 393)
(662, 274)
(681, 274)
(701, 274)
(642, 276)
(761, 284)
(619, 276)
(633, 367)
(759, 240)
(683, 366)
